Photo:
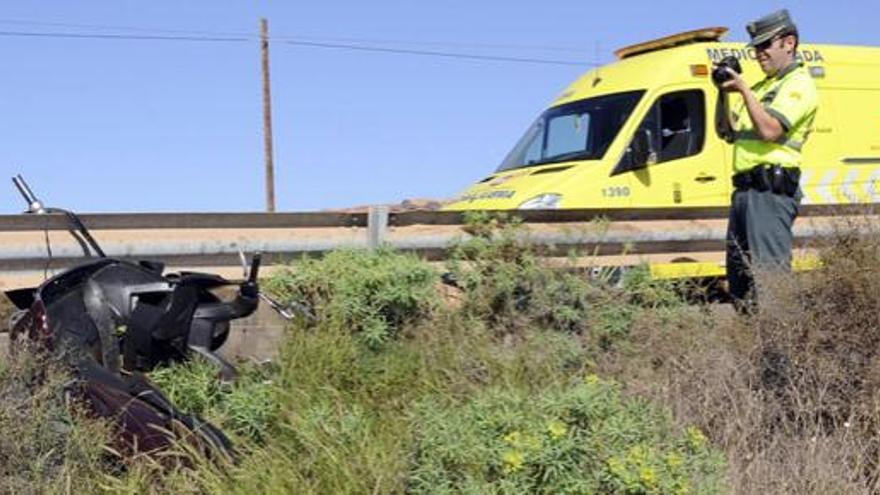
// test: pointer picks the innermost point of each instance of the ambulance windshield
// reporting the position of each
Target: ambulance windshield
(581, 130)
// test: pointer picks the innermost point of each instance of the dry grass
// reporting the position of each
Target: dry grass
(790, 392)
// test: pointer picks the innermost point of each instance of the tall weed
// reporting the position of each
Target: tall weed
(246, 408)
(6, 311)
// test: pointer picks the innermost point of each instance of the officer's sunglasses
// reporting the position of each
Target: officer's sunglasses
(764, 45)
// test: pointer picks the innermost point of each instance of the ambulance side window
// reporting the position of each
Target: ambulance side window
(677, 124)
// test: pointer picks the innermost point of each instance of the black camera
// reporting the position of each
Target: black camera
(720, 75)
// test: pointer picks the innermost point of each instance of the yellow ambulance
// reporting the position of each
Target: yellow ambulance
(639, 132)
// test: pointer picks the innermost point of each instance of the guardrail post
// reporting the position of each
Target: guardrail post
(377, 225)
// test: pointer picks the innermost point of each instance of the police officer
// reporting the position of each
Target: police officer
(768, 131)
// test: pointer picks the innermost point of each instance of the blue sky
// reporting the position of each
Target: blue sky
(120, 125)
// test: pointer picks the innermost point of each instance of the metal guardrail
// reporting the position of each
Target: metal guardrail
(137, 221)
(278, 235)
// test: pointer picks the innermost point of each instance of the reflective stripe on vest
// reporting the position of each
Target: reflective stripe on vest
(751, 135)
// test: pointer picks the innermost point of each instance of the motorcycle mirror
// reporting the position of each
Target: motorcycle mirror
(251, 272)
(244, 263)
(34, 205)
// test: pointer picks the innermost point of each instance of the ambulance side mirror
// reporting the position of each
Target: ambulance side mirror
(642, 149)
(639, 154)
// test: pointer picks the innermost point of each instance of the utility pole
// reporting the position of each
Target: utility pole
(267, 119)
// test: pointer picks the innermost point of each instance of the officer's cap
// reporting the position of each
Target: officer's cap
(769, 26)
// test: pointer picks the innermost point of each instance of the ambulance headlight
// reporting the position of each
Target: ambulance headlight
(548, 201)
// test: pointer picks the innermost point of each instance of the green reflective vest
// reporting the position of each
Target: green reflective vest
(790, 96)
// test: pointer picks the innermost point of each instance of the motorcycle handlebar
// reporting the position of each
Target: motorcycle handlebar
(243, 305)
(245, 302)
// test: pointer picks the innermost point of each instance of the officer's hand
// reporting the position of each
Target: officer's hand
(735, 83)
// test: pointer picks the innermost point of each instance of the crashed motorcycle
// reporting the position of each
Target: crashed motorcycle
(112, 320)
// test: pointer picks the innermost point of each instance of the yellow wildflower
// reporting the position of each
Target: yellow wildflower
(696, 437)
(648, 478)
(557, 429)
(592, 379)
(513, 461)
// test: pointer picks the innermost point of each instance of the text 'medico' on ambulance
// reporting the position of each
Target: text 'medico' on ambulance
(659, 94)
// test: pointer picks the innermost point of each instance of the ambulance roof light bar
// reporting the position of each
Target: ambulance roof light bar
(698, 35)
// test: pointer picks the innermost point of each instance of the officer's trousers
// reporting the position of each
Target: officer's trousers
(758, 237)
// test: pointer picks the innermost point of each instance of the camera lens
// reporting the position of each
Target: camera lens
(720, 74)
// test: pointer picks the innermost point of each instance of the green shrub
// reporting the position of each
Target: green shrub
(583, 438)
(616, 309)
(647, 292)
(512, 289)
(507, 285)
(373, 294)
(610, 324)
(246, 407)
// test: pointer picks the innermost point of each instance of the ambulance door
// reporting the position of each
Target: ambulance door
(686, 165)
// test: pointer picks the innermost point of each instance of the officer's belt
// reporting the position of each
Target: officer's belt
(751, 135)
(768, 177)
